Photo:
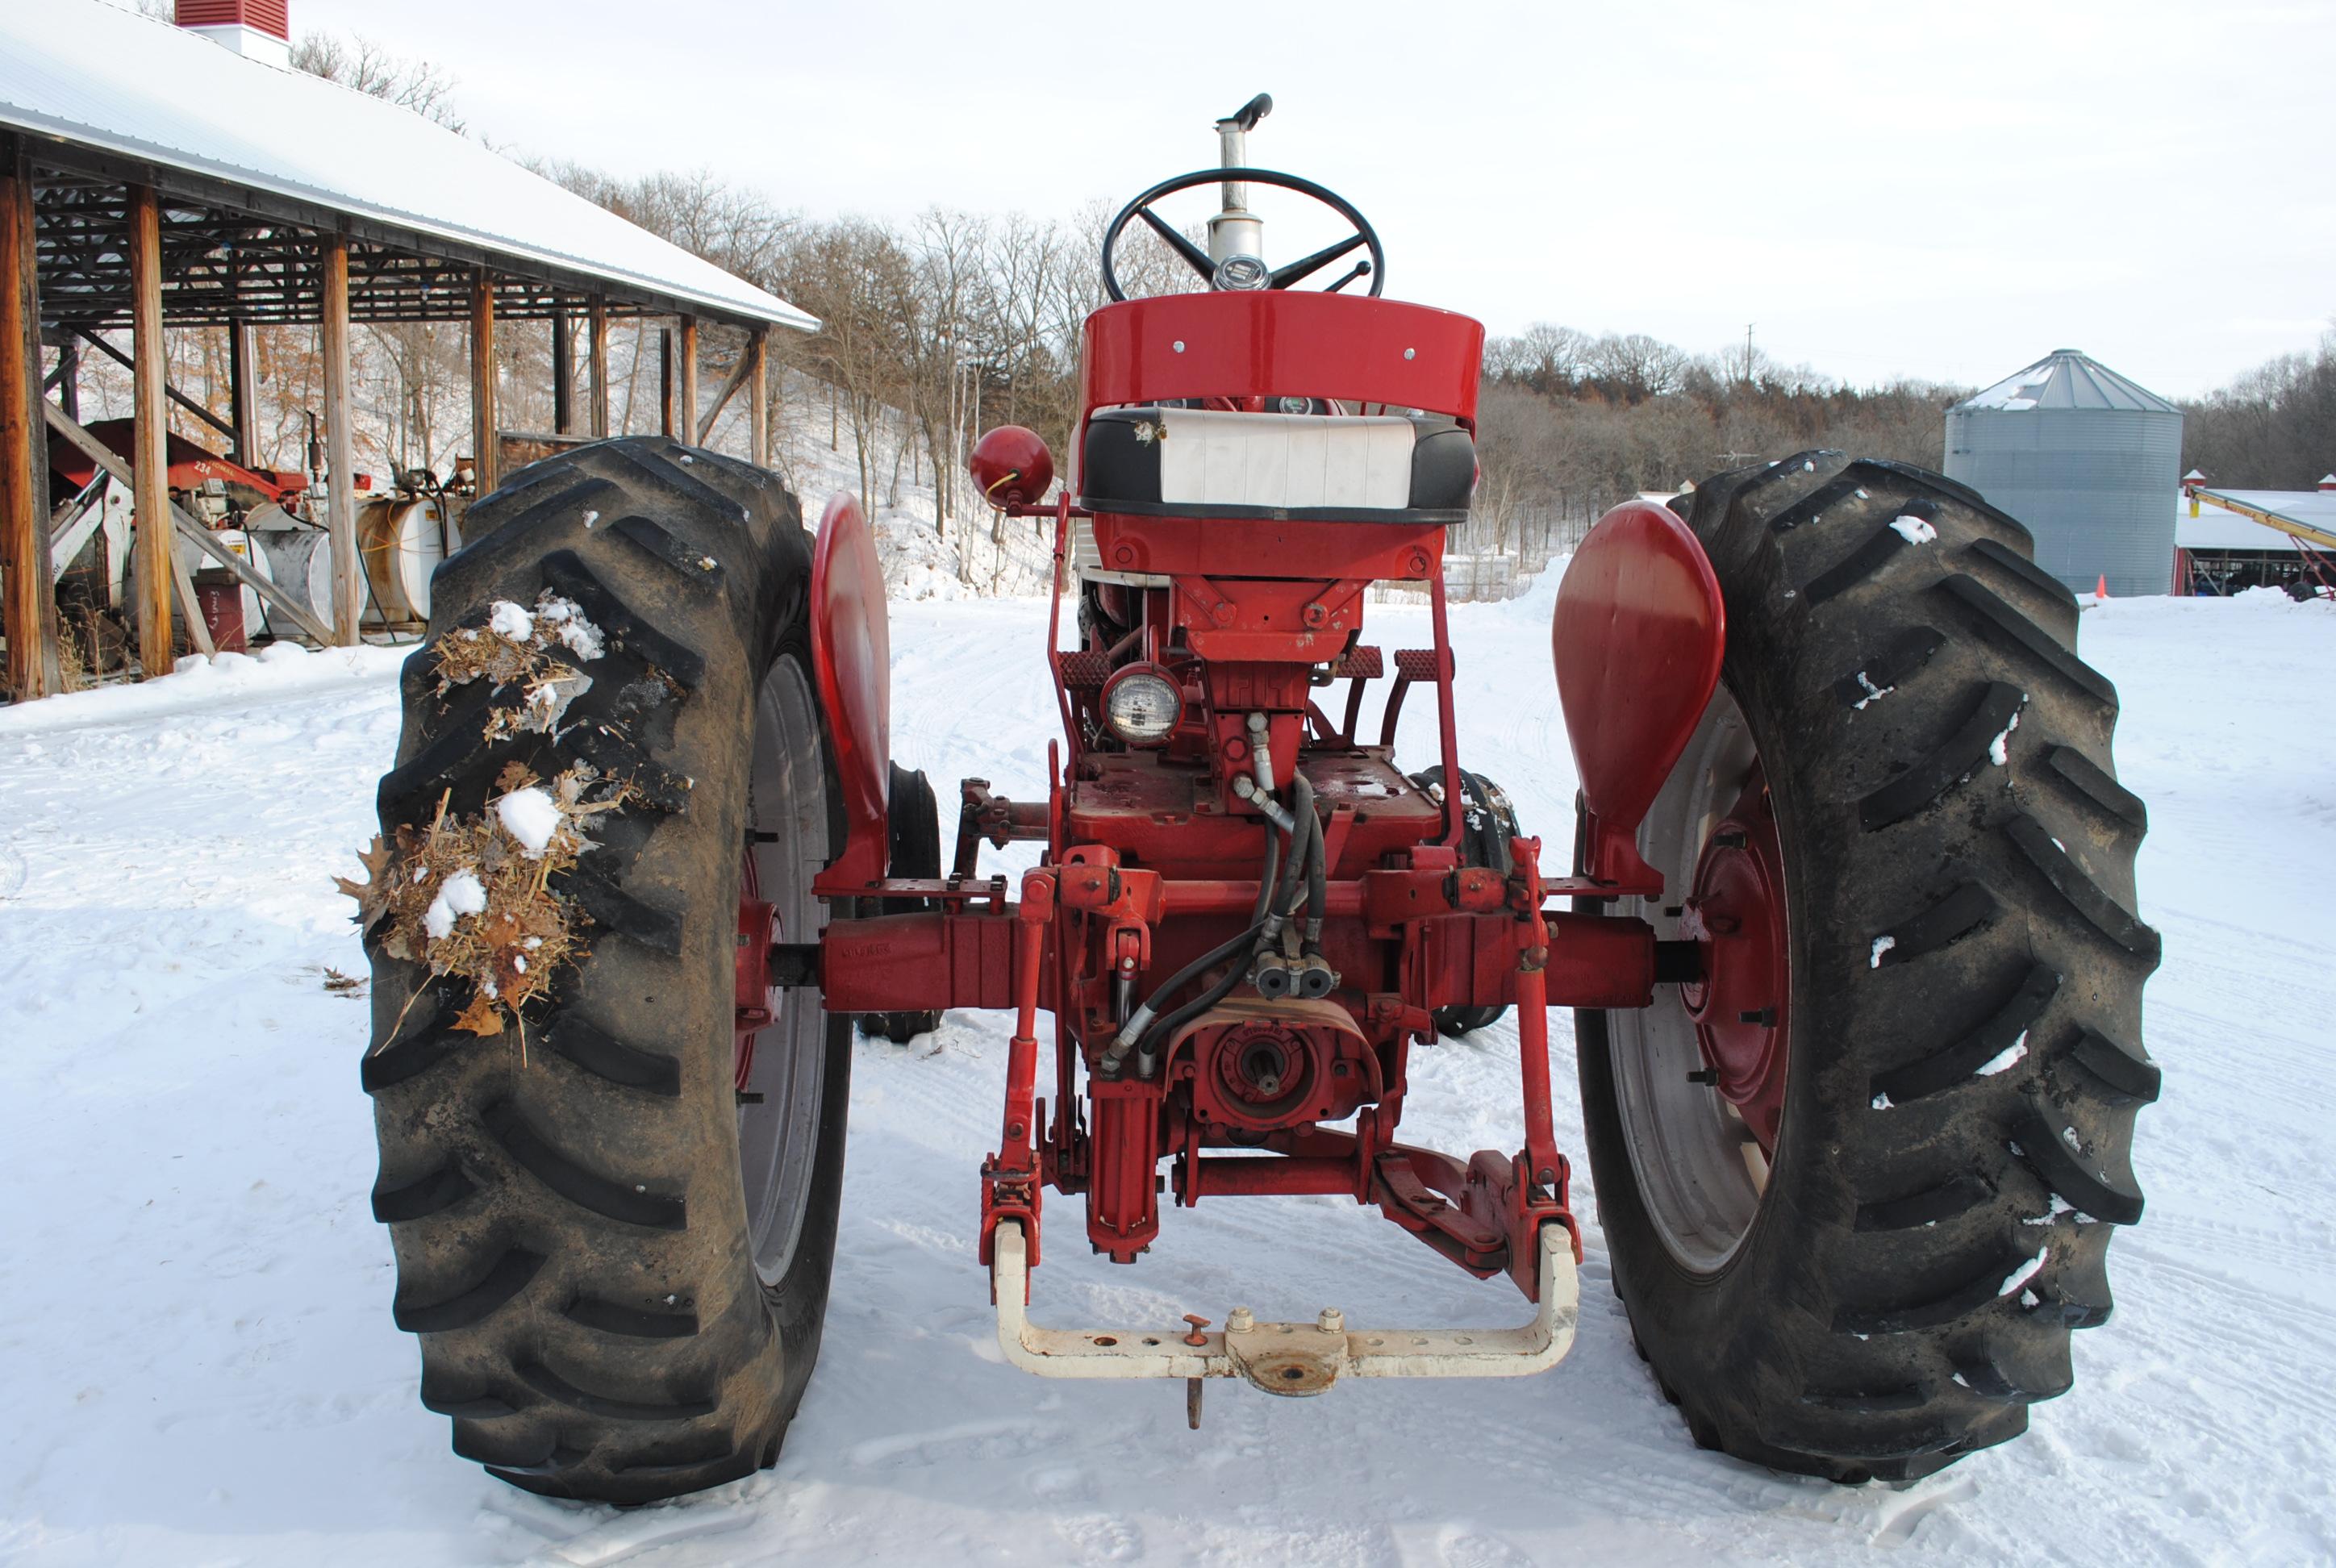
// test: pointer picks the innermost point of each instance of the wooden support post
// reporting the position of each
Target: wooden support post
(758, 397)
(30, 613)
(243, 391)
(687, 420)
(563, 373)
(665, 383)
(485, 448)
(68, 376)
(597, 325)
(340, 455)
(149, 426)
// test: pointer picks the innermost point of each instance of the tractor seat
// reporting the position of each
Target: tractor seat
(1277, 467)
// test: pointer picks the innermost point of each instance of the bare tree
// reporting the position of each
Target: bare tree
(1546, 357)
(1634, 367)
(371, 68)
(738, 230)
(422, 400)
(858, 278)
(942, 347)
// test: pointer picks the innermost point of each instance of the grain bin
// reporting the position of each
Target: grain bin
(2086, 459)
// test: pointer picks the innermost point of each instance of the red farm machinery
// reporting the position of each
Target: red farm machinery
(1846, 927)
(269, 521)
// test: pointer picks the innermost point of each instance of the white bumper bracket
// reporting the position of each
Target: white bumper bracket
(1286, 1358)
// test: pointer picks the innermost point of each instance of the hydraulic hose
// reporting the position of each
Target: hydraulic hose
(1260, 752)
(1166, 1027)
(1139, 1024)
(1265, 881)
(1277, 897)
(1282, 892)
(1246, 787)
(1280, 884)
(1317, 881)
(1140, 1021)
(1293, 871)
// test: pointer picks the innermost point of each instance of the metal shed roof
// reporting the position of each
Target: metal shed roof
(2067, 378)
(94, 75)
(2217, 529)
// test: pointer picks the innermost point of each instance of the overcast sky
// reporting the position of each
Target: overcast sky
(1945, 189)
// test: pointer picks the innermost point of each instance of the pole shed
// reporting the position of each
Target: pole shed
(152, 179)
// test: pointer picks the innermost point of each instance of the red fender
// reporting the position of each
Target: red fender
(1637, 636)
(851, 658)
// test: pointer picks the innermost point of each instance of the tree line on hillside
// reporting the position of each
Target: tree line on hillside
(961, 320)
(1572, 423)
(2273, 428)
(936, 328)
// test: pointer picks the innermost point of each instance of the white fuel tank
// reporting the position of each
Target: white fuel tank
(402, 539)
(300, 562)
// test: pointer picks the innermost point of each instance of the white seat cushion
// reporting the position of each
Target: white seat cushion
(1217, 459)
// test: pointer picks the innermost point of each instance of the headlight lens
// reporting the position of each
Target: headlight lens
(1141, 703)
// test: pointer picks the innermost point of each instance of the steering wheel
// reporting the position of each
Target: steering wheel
(1198, 259)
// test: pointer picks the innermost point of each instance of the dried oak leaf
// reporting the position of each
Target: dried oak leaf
(481, 1016)
(371, 894)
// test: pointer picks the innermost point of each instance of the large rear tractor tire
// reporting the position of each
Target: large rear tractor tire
(614, 1221)
(1859, 1182)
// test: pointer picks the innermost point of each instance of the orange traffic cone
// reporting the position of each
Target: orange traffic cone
(2101, 589)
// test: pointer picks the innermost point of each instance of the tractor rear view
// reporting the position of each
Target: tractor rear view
(1847, 926)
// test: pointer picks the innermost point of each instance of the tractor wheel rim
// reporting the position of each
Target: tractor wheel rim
(1701, 1165)
(1736, 917)
(785, 1062)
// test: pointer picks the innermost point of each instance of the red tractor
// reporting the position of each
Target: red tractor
(1847, 929)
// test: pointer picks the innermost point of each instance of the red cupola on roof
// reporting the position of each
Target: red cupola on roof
(260, 29)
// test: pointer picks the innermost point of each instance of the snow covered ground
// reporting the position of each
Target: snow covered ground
(195, 1340)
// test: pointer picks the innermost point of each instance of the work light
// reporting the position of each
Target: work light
(1141, 704)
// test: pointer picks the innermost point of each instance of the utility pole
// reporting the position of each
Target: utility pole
(1748, 353)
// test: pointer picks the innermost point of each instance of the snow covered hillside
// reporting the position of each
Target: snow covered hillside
(979, 555)
(195, 1334)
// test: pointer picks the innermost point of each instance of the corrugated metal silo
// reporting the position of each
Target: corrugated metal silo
(2086, 459)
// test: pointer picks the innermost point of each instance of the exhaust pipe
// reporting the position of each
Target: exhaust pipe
(1236, 232)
